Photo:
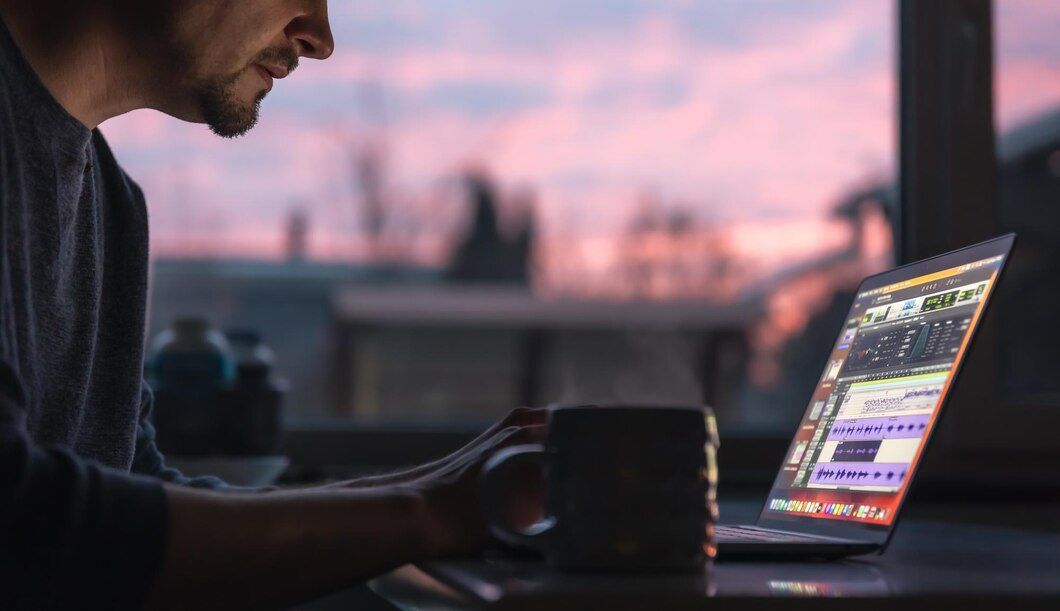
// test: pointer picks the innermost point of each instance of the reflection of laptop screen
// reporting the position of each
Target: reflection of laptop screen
(883, 386)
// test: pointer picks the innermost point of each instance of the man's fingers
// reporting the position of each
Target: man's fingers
(518, 417)
(519, 435)
(472, 456)
(512, 436)
(527, 416)
(497, 428)
(535, 433)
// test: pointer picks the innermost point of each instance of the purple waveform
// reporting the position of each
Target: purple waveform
(887, 427)
(859, 473)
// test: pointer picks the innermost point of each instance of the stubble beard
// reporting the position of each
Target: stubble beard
(223, 112)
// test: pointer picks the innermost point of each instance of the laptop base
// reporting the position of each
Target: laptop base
(752, 542)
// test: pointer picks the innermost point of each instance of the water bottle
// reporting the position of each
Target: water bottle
(191, 367)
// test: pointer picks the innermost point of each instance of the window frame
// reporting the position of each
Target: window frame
(950, 197)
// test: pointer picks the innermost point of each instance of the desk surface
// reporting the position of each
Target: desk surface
(927, 561)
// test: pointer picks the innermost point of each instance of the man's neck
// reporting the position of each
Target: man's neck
(72, 48)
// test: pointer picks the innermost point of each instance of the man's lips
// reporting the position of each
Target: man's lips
(275, 71)
(268, 73)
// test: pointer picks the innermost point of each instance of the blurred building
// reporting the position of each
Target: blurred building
(462, 352)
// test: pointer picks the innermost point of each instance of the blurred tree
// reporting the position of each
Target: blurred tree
(484, 254)
(296, 244)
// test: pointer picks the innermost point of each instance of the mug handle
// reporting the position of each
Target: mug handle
(535, 535)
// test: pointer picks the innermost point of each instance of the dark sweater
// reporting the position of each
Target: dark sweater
(76, 528)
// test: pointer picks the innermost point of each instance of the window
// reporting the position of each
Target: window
(479, 204)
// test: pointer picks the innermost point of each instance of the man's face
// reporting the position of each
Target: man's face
(225, 55)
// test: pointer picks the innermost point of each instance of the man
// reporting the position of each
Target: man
(90, 517)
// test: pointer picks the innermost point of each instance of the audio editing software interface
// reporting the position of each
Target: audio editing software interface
(879, 396)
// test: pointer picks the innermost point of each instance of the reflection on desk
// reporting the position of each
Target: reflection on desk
(927, 563)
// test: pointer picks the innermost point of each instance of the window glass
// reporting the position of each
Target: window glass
(477, 204)
(1027, 83)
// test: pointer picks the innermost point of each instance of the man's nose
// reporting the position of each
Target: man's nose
(311, 33)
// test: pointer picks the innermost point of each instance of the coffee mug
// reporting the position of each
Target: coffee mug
(627, 488)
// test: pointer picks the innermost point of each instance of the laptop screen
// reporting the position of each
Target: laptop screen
(883, 385)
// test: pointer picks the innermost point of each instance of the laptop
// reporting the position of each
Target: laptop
(855, 453)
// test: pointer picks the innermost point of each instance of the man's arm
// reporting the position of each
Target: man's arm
(73, 534)
(272, 550)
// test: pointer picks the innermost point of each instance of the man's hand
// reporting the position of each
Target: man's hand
(453, 516)
(521, 417)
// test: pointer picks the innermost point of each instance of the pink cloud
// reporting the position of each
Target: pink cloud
(1025, 90)
(1027, 59)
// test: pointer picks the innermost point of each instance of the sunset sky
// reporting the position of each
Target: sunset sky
(735, 110)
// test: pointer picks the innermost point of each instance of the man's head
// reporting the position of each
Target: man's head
(218, 59)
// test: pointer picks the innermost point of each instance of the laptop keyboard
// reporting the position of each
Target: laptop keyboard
(742, 533)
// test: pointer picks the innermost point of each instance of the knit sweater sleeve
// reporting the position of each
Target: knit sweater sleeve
(73, 534)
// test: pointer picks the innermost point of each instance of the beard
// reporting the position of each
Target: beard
(224, 113)
(222, 110)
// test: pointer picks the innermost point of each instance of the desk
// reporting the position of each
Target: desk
(929, 565)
